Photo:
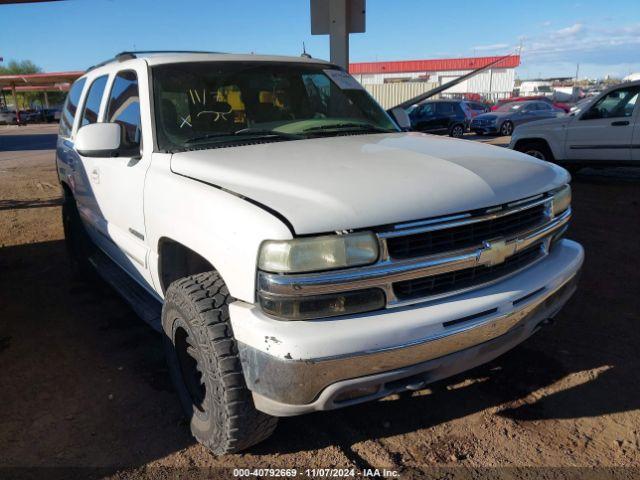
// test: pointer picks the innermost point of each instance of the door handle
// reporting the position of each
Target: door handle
(95, 175)
(620, 123)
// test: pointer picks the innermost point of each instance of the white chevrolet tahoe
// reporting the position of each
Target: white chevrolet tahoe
(299, 251)
(605, 131)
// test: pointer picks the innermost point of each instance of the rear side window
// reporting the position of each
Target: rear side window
(71, 107)
(124, 107)
(92, 103)
(445, 108)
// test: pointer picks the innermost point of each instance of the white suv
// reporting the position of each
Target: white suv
(603, 132)
(297, 250)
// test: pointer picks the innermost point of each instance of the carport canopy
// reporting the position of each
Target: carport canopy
(37, 82)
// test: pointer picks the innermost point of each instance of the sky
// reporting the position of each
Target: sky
(555, 35)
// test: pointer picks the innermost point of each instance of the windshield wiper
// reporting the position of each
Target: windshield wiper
(350, 126)
(246, 132)
(267, 132)
(208, 136)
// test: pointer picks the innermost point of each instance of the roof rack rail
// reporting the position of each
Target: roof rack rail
(128, 55)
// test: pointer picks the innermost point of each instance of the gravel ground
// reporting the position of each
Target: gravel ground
(83, 382)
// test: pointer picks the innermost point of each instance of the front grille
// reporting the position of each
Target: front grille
(464, 236)
(462, 279)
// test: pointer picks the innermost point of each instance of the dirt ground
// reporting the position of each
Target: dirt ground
(83, 382)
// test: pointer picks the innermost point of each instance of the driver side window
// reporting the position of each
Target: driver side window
(616, 104)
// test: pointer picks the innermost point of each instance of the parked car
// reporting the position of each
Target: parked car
(603, 132)
(508, 116)
(559, 105)
(297, 250)
(8, 117)
(450, 117)
(477, 108)
(45, 115)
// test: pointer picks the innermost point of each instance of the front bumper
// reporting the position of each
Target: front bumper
(299, 367)
(485, 129)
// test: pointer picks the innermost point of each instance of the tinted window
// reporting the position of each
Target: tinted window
(92, 103)
(427, 109)
(445, 108)
(124, 107)
(619, 103)
(71, 107)
(544, 106)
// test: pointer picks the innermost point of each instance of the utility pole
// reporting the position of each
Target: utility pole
(338, 18)
(338, 33)
(577, 71)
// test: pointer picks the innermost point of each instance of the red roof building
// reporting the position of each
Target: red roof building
(495, 82)
(436, 65)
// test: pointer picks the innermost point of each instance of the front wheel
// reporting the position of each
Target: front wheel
(506, 129)
(205, 367)
(537, 149)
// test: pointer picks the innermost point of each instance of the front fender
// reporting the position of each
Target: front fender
(221, 227)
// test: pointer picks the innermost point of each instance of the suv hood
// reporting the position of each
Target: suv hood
(350, 182)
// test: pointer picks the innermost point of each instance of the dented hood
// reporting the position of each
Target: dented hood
(349, 182)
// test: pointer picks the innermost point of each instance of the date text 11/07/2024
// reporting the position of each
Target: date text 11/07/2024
(316, 472)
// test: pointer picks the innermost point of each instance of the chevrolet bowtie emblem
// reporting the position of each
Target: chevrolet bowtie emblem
(495, 252)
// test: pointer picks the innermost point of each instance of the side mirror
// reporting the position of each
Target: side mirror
(99, 140)
(401, 118)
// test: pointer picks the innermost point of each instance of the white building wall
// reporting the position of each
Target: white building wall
(494, 83)
(391, 94)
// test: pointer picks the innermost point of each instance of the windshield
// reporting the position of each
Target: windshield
(212, 103)
(509, 107)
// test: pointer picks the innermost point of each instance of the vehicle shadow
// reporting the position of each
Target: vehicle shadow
(21, 204)
(95, 374)
(27, 142)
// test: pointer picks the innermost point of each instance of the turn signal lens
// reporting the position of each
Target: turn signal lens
(322, 306)
(561, 200)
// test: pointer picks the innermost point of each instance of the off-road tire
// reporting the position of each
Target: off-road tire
(223, 418)
(79, 245)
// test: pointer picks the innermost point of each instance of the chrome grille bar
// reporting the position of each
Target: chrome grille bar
(387, 271)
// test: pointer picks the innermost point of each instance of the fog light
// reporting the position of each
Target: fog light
(321, 306)
(357, 392)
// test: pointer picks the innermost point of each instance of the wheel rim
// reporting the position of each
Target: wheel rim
(536, 154)
(507, 128)
(457, 131)
(190, 363)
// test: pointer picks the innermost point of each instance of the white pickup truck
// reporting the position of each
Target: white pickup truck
(299, 251)
(604, 132)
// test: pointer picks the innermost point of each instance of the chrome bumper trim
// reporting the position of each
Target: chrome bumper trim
(387, 272)
(301, 381)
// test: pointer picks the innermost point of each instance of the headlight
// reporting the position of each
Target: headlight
(318, 253)
(561, 200)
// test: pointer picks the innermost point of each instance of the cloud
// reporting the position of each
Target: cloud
(495, 46)
(571, 31)
(546, 24)
(580, 43)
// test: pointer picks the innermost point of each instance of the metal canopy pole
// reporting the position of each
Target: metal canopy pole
(338, 18)
(15, 102)
(338, 33)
